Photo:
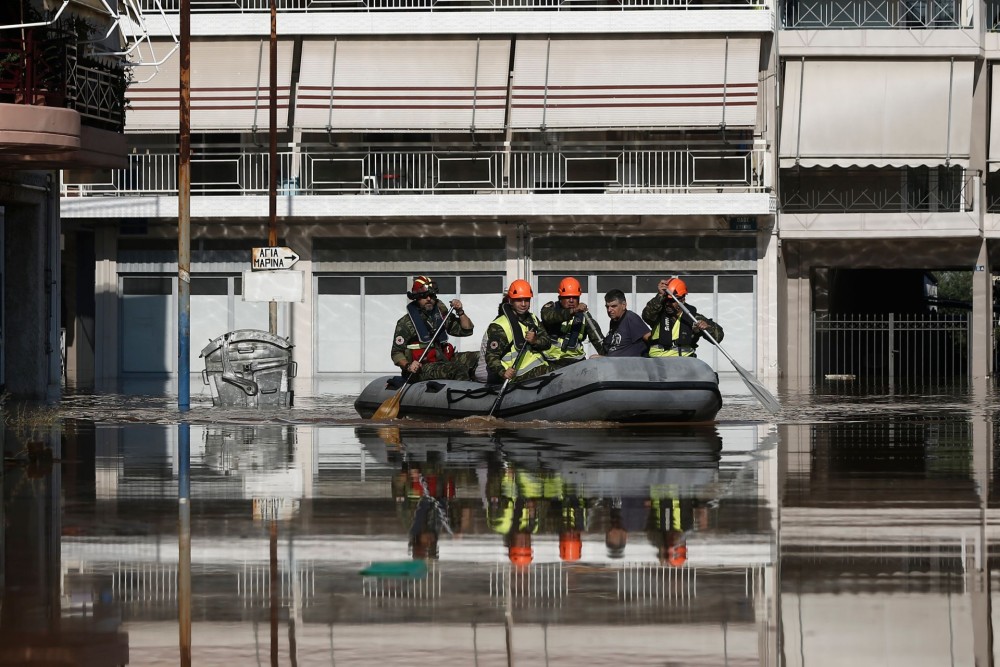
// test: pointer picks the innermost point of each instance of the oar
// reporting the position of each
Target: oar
(759, 391)
(596, 330)
(390, 408)
(503, 387)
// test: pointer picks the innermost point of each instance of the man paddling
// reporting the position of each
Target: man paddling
(415, 330)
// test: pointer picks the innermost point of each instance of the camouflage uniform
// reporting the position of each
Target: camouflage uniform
(554, 318)
(496, 346)
(659, 313)
(457, 368)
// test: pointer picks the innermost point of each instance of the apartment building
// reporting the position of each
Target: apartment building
(477, 142)
(62, 84)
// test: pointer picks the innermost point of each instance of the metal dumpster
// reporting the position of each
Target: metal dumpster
(248, 368)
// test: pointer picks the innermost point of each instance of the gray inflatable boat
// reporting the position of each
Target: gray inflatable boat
(670, 389)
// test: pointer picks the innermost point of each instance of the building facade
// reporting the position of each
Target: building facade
(750, 148)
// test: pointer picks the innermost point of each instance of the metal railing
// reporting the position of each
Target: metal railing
(874, 14)
(886, 350)
(325, 6)
(853, 192)
(43, 67)
(438, 172)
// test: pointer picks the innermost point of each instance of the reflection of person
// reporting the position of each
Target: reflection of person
(670, 521)
(675, 334)
(414, 331)
(627, 335)
(430, 496)
(565, 322)
(514, 327)
(626, 515)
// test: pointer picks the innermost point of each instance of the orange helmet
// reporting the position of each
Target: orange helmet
(570, 546)
(422, 286)
(519, 289)
(677, 556)
(569, 287)
(520, 557)
(677, 287)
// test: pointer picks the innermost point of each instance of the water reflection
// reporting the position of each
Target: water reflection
(529, 545)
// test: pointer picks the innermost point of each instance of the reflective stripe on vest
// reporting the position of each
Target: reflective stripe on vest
(569, 343)
(657, 350)
(530, 358)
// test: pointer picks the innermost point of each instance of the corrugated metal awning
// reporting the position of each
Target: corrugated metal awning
(862, 113)
(600, 83)
(406, 85)
(229, 89)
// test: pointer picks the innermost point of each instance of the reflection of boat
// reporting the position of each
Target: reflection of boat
(600, 389)
(604, 461)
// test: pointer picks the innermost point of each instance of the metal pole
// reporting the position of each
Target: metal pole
(272, 187)
(184, 217)
(184, 540)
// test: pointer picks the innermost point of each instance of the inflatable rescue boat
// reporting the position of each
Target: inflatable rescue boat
(664, 389)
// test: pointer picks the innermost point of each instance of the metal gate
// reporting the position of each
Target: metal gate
(887, 350)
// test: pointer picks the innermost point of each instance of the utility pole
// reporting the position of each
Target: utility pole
(184, 217)
(272, 188)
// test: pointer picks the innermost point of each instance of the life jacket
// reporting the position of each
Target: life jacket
(515, 335)
(567, 342)
(442, 349)
(673, 335)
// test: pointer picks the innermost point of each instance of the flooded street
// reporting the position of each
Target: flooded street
(844, 530)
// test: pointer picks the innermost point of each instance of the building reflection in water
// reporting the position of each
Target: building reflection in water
(538, 546)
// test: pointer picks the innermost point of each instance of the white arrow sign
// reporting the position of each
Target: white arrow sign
(272, 258)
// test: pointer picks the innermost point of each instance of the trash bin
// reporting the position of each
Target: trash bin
(248, 368)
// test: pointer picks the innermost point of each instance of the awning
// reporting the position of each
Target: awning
(409, 85)
(864, 113)
(230, 83)
(600, 83)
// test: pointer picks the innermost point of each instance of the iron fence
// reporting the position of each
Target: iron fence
(434, 172)
(887, 351)
(874, 14)
(910, 190)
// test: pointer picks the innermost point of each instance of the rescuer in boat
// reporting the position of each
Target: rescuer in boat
(414, 331)
(566, 323)
(675, 334)
(507, 335)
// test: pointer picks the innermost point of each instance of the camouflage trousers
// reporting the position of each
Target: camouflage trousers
(527, 375)
(460, 367)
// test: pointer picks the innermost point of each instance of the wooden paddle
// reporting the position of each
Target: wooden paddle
(759, 391)
(390, 408)
(503, 387)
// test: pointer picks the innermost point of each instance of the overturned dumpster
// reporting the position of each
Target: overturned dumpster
(248, 368)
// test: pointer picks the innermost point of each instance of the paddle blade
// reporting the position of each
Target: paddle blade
(759, 391)
(395, 569)
(390, 408)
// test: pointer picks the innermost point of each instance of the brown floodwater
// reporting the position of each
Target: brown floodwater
(850, 528)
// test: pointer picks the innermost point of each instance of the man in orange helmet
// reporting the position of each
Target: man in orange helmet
(675, 334)
(414, 331)
(567, 325)
(514, 329)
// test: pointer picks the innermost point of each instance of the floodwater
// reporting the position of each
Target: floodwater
(848, 529)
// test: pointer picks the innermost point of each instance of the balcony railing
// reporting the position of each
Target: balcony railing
(950, 191)
(325, 6)
(43, 67)
(439, 172)
(874, 14)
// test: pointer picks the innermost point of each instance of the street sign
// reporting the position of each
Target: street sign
(272, 258)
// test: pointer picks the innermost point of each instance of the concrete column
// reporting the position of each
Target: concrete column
(768, 275)
(303, 315)
(795, 311)
(518, 252)
(53, 278)
(982, 317)
(106, 308)
(978, 571)
(26, 300)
